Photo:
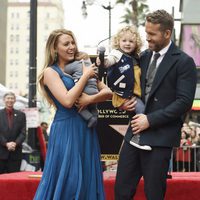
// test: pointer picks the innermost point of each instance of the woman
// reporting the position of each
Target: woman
(72, 167)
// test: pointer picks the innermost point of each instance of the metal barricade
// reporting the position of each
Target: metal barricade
(185, 159)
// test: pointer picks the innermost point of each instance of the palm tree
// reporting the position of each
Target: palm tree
(135, 15)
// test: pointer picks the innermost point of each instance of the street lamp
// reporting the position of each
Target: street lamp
(102, 70)
(84, 9)
(32, 68)
(90, 3)
(109, 9)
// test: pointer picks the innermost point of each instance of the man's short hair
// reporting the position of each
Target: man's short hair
(9, 93)
(163, 18)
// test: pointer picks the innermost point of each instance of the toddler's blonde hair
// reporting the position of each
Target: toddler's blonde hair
(133, 30)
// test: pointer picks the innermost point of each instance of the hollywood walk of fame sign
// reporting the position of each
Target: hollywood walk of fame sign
(111, 128)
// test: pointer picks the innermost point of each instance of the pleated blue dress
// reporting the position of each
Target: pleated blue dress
(72, 168)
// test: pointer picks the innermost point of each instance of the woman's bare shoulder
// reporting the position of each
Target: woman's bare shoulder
(49, 70)
(50, 74)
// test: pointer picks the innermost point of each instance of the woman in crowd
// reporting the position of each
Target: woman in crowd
(183, 153)
(72, 167)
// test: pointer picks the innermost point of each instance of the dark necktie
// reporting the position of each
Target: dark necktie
(150, 75)
(10, 118)
(152, 67)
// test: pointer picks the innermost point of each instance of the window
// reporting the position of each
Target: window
(28, 14)
(46, 27)
(47, 15)
(11, 74)
(11, 38)
(17, 38)
(10, 85)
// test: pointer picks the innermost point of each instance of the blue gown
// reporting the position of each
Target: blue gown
(73, 168)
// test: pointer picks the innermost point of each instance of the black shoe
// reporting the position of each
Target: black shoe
(135, 142)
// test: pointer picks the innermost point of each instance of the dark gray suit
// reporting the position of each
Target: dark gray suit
(16, 134)
(171, 96)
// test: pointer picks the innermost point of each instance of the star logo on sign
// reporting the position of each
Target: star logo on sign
(120, 128)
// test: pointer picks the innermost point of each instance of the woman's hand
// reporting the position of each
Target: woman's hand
(83, 101)
(129, 104)
(90, 71)
(98, 62)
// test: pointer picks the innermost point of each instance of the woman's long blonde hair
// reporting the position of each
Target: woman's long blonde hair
(51, 57)
(133, 30)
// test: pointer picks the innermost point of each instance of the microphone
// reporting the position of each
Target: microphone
(102, 72)
(101, 51)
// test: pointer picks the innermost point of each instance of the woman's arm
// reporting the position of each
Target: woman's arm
(104, 94)
(67, 97)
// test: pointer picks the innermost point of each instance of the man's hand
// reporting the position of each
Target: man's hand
(139, 123)
(11, 146)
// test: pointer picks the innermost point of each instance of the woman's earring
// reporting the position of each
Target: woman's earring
(55, 56)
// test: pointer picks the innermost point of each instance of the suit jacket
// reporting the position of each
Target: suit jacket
(171, 96)
(16, 134)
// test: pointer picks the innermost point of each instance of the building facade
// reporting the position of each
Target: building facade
(3, 34)
(50, 16)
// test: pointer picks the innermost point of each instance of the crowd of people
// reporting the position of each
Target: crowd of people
(187, 156)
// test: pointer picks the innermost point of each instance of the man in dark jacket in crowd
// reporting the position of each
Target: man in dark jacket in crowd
(12, 135)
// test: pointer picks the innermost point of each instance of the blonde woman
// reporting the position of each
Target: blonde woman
(72, 168)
